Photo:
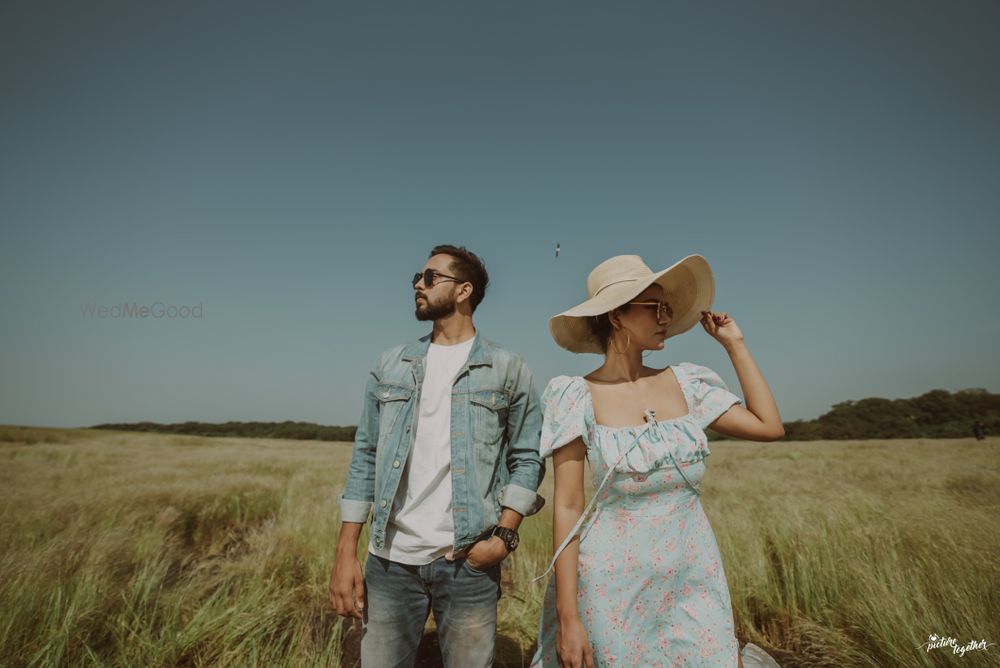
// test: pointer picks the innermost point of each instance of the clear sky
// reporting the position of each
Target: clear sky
(288, 166)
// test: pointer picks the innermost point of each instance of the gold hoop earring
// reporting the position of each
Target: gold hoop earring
(628, 342)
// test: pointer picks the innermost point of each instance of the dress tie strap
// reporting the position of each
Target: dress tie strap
(696, 490)
(583, 516)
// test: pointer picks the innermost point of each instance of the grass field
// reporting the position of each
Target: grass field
(130, 549)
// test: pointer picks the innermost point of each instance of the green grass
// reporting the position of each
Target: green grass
(142, 549)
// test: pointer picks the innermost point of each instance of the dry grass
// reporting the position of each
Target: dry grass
(137, 549)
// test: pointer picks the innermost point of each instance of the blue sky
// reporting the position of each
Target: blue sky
(288, 167)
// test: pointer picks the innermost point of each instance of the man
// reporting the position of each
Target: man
(446, 454)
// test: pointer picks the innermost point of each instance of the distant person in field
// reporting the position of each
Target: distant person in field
(446, 455)
(979, 430)
(640, 582)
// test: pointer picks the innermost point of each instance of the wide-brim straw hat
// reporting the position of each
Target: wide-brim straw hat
(688, 286)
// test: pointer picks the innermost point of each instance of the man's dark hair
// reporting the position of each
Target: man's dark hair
(466, 266)
(600, 326)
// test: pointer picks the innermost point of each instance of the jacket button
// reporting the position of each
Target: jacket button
(382, 503)
(395, 464)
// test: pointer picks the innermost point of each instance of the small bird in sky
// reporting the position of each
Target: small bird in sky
(557, 250)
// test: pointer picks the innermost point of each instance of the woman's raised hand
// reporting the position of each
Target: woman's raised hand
(721, 327)
(572, 647)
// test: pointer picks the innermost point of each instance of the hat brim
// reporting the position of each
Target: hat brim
(688, 285)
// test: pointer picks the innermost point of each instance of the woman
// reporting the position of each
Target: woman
(642, 583)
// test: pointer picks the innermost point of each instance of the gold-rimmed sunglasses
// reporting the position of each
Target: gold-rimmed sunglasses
(662, 308)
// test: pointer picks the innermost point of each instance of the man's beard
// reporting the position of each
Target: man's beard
(430, 311)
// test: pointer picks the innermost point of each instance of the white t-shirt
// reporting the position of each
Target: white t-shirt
(420, 527)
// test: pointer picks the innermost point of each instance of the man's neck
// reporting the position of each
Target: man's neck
(456, 328)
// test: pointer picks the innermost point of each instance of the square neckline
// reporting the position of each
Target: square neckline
(687, 402)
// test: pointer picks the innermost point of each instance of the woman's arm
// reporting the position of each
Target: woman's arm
(760, 420)
(567, 506)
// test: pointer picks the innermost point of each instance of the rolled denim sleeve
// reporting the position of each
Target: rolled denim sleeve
(524, 428)
(359, 492)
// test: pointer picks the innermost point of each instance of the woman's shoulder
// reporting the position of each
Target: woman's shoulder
(564, 413)
(562, 388)
(563, 381)
(710, 394)
(694, 372)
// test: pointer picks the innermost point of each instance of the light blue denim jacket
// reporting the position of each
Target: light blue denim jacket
(496, 424)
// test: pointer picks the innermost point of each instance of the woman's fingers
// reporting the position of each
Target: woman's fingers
(712, 321)
(708, 322)
(576, 658)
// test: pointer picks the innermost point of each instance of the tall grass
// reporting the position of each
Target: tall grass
(139, 549)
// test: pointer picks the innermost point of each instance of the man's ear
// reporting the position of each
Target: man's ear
(464, 292)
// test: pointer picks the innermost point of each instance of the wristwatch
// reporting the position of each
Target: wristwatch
(508, 536)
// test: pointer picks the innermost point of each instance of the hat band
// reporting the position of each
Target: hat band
(608, 285)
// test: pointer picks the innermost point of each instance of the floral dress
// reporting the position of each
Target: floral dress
(651, 588)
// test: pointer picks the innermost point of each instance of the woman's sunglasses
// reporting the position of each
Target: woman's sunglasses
(662, 308)
(430, 277)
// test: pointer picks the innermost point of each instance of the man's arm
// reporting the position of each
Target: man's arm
(359, 492)
(347, 581)
(524, 429)
(519, 497)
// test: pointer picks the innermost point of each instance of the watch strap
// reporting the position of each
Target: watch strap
(508, 536)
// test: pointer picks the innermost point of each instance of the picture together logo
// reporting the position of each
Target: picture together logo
(935, 641)
(136, 310)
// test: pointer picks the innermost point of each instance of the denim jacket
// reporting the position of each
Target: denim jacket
(495, 429)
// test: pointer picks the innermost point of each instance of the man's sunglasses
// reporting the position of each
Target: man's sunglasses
(430, 277)
(662, 308)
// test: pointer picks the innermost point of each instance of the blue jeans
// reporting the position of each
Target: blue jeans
(398, 598)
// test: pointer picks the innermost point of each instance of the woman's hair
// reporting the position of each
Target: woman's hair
(467, 267)
(600, 326)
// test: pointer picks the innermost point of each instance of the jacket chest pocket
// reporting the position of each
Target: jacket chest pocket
(489, 415)
(392, 400)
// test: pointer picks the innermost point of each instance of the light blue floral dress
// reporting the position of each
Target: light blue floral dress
(651, 587)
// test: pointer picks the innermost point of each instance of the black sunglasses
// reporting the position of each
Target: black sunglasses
(430, 277)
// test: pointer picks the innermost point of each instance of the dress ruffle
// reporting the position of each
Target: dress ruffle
(679, 437)
(563, 413)
(568, 413)
(709, 395)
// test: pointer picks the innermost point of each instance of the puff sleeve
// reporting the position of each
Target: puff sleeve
(563, 413)
(711, 395)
